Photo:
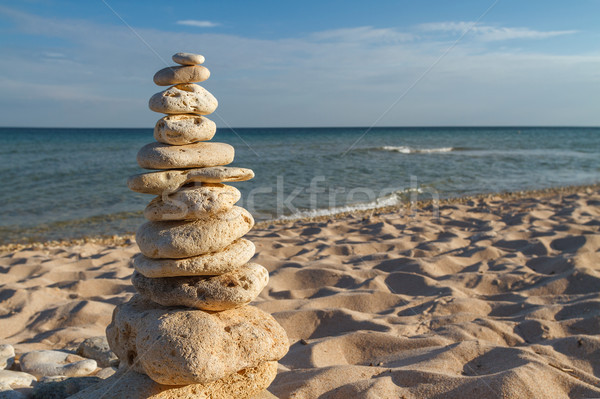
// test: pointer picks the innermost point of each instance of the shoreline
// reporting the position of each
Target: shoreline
(423, 205)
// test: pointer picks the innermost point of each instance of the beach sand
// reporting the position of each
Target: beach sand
(498, 297)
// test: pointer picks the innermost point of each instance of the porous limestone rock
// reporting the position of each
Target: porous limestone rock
(7, 356)
(184, 129)
(188, 59)
(97, 348)
(178, 346)
(183, 239)
(50, 363)
(16, 378)
(249, 383)
(171, 180)
(227, 291)
(230, 258)
(188, 98)
(191, 203)
(197, 155)
(181, 74)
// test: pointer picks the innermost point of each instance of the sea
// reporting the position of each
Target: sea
(71, 183)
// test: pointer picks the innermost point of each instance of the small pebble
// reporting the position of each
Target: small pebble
(97, 348)
(6, 392)
(7, 356)
(62, 387)
(188, 58)
(16, 378)
(49, 363)
(106, 372)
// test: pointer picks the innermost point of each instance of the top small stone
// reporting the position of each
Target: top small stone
(188, 59)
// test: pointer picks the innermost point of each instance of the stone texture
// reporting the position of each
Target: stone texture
(181, 74)
(184, 129)
(230, 258)
(6, 392)
(50, 363)
(192, 203)
(188, 59)
(106, 372)
(180, 239)
(63, 387)
(7, 356)
(227, 291)
(16, 378)
(177, 346)
(198, 155)
(248, 383)
(184, 99)
(97, 348)
(171, 180)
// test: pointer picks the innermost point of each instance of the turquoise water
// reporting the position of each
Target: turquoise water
(68, 183)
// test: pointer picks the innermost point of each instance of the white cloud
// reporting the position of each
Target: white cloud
(339, 77)
(198, 24)
(363, 34)
(491, 33)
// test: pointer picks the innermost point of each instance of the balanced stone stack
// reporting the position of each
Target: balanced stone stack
(189, 325)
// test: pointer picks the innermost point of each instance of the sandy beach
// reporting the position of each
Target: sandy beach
(498, 297)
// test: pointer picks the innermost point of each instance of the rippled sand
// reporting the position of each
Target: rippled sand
(496, 298)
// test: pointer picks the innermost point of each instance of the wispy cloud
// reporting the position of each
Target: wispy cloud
(198, 24)
(363, 34)
(344, 76)
(492, 33)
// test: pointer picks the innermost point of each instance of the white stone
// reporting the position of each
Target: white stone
(198, 155)
(191, 203)
(7, 356)
(188, 59)
(50, 363)
(16, 378)
(228, 259)
(184, 129)
(186, 98)
(168, 181)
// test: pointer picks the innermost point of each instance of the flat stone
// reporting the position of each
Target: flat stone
(198, 155)
(230, 258)
(177, 346)
(181, 74)
(16, 378)
(191, 203)
(49, 363)
(63, 387)
(227, 291)
(106, 372)
(185, 98)
(188, 59)
(171, 180)
(248, 383)
(97, 348)
(181, 239)
(184, 129)
(7, 356)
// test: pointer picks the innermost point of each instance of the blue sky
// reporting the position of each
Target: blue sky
(310, 63)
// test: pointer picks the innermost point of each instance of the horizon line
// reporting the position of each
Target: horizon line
(319, 127)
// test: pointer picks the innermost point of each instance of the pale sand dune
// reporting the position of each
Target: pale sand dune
(495, 299)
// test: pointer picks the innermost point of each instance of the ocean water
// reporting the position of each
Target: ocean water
(69, 183)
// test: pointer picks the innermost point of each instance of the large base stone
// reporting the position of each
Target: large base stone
(178, 346)
(249, 383)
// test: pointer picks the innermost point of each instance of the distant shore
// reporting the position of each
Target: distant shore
(423, 205)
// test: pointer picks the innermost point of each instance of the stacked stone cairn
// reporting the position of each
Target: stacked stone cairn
(189, 323)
